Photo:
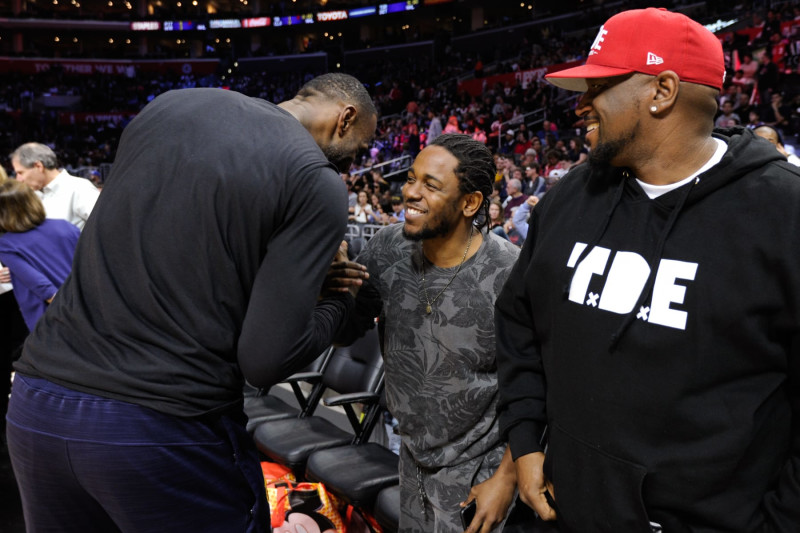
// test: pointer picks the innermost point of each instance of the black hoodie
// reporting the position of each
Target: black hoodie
(659, 341)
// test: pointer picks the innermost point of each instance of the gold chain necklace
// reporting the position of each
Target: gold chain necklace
(429, 302)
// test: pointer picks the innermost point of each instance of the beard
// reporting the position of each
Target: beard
(339, 157)
(440, 225)
(601, 156)
(603, 173)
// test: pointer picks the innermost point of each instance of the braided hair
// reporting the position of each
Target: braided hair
(475, 170)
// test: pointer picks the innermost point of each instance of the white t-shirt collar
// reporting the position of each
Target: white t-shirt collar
(654, 191)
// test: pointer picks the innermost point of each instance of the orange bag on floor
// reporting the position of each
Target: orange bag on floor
(298, 507)
(276, 472)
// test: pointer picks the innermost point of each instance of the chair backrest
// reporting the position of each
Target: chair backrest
(357, 367)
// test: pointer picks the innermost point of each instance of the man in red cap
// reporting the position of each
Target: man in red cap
(649, 334)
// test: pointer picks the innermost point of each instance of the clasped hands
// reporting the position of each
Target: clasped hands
(344, 275)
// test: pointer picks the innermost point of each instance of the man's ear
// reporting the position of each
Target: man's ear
(347, 119)
(666, 87)
(472, 203)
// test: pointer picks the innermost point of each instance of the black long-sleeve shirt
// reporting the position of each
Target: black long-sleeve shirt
(202, 261)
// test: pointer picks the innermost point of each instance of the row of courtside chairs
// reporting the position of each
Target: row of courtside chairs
(360, 473)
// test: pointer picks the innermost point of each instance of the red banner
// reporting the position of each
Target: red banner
(129, 68)
(475, 86)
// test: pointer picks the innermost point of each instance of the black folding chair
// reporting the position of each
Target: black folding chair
(355, 372)
(355, 473)
(262, 406)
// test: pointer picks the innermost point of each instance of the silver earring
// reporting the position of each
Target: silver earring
(653, 109)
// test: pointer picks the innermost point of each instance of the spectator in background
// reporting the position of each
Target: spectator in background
(64, 196)
(452, 125)
(520, 219)
(728, 94)
(749, 68)
(496, 219)
(514, 199)
(774, 113)
(778, 46)
(479, 135)
(434, 126)
(555, 160)
(12, 331)
(727, 117)
(507, 145)
(499, 108)
(754, 120)
(529, 158)
(742, 105)
(377, 209)
(37, 250)
(772, 135)
(538, 148)
(362, 212)
(548, 128)
(534, 184)
(352, 195)
(521, 146)
(577, 152)
(553, 178)
(742, 82)
(772, 25)
(413, 138)
(398, 210)
(768, 77)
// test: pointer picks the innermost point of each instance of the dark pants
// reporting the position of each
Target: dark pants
(90, 464)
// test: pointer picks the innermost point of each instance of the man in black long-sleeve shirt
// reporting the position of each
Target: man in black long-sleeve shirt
(200, 266)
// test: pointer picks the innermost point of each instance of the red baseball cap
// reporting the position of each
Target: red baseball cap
(649, 41)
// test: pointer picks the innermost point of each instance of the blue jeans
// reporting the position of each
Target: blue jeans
(90, 464)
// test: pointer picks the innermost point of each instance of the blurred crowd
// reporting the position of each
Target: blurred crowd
(418, 101)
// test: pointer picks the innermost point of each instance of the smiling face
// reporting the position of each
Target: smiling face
(432, 197)
(610, 109)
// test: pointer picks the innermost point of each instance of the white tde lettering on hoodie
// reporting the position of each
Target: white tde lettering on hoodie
(666, 292)
(625, 281)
